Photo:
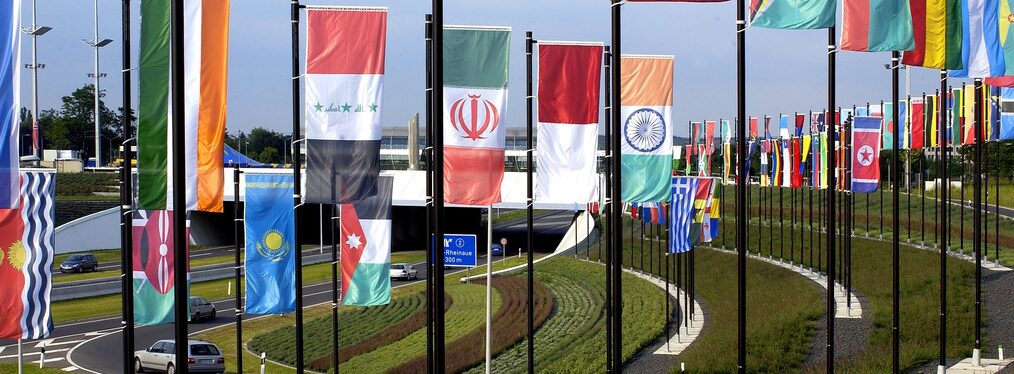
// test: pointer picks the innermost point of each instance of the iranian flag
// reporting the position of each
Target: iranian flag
(366, 248)
(569, 75)
(645, 112)
(206, 34)
(345, 52)
(475, 96)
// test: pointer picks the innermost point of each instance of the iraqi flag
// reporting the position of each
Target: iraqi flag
(866, 154)
(569, 75)
(153, 267)
(366, 248)
(475, 96)
(345, 51)
(10, 103)
(206, 34)
(645, 112)
(26, 259)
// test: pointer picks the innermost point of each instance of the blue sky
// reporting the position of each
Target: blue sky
(786, 70)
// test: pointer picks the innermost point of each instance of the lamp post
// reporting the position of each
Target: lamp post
(96, 43)
(34, 30)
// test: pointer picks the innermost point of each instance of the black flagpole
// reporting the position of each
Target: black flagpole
(438, 183)
(832, 187)
(943, 230)
(895, 224)
(297, 196)
(741, 185)
(238, 223)
(611, 253)
(849, 216)
(127, 203)
(977, 216)
(335, 234)
(430, 249)
(179, 205)
(616, 199)
(529, 44)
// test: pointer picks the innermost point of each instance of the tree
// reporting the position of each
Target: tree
(73, 125)
(270, 155)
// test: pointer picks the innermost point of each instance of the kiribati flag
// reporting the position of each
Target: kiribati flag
(866, 154)
(26, 260)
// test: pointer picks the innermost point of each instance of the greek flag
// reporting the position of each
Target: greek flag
(684, 191)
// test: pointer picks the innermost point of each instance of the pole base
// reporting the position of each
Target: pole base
(941, 369)
(976, 357)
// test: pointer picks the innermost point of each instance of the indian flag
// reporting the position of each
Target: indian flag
(366, 248)
(206, 36)
(645, 109)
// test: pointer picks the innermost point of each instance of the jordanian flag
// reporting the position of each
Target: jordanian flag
(937, 28)
(366, 248)
(877, 26)
(475, 96)
(206, 33)
(153, 266)
(345, 51)
(646, 109)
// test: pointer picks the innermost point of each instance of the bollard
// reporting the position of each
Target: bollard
(264, 358)
(999, 349)
(42, 356)
(229, 290)
(683, 367)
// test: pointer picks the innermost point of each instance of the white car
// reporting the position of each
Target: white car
(403, 271)
(204, 357)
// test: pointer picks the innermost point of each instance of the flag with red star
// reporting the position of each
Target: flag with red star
(366, 248)
(866, 154)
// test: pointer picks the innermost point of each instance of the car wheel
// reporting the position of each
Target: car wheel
(196, 317)
(213, 312)
(137, 365)
(170, 369)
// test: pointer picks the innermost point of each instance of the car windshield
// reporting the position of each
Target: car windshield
(75, 258)
(204, 350)
(397, 267)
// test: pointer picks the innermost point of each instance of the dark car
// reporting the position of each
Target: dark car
(79, 263)
(496, 250)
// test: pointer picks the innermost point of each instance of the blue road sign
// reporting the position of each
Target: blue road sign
(459, 250)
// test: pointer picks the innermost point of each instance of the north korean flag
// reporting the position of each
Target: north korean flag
(866, 154)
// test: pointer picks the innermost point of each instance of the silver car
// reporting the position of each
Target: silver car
(403, 271)
(201, 309)
(204, 357)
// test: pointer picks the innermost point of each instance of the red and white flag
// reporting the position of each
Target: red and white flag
(866, 154)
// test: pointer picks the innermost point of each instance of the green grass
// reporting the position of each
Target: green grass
(505, 215)
(28, 368)
(65, 311)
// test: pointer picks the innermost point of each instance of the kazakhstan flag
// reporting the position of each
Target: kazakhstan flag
(270, 245)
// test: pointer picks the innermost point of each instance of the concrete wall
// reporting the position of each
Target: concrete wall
(95, 231)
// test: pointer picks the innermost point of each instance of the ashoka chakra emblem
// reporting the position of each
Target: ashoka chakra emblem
(645, 130)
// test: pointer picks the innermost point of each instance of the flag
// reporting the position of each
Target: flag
(1004, 11)
(783, 131)
(792, 14)
(937, 28)
(981, 52)
(777, 164)
(1006, 131)
(767, 127)
(931, 120)
(824, 168)
(877, 110)
(753, 127)
(345, 49)
(877, 26)
(917, 125)
(646, 106)
(797, 161)
(153, 266)
(695, 127)
(751, 145)
(726, 161)
(726, 131)
(903, 129)
(888, 135)
(764, 176)
(683, 195)
(866, 154)
(709, 136)
(270, 245)
(206, 32)
(968, 111)
(366, 248)
(956, 116)
(701, 228)
(786, 164)
(26, 259)
(800, 120)
(475, 98)
(569, 76)
(10, 103)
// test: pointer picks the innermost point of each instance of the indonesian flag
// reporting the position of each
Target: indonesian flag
(366, 248)
(26, 259)
(475, 97)
(345, 52)
(569, 75)
(866, 154)
(154, 277)
(206, 34)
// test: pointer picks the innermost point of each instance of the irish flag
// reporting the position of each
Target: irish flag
(876, 26)
(206, 33)
(366, 248)
(937, 28)
(345, 51)
(569, 75)
(475, 97)
(646, 109)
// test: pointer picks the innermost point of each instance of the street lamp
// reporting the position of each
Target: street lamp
(34, 31)
(97, 43)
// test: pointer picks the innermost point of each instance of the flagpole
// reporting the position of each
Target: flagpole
(849, 216)
(616, 197)
(941, 366)
(977, 219)
(335, 234)
(179, 204)
(430, 243)
(529, 200)
(741, 185)
(895, 242)
(438, 183)
(238, 234)
(607, 211)
(126, 200)
(832, 187)
(489, 285)
(297, 196)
